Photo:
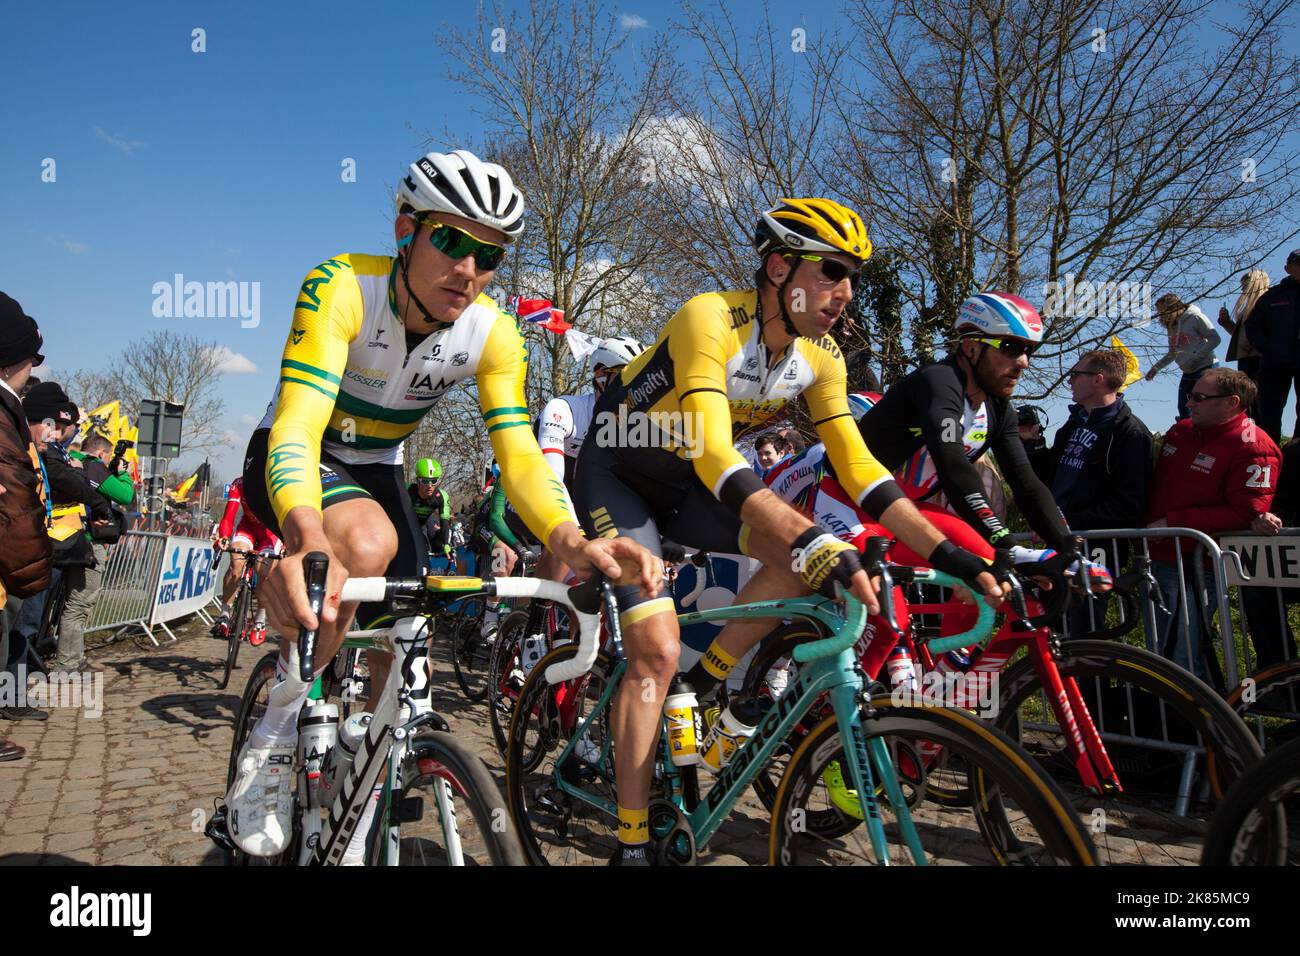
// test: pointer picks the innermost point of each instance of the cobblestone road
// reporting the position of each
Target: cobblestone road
(135, 784)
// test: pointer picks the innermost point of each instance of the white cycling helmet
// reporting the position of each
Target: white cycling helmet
(461, 184)
(616, 351)
(1000, 315)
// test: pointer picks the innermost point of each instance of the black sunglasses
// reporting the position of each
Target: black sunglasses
(1195, 397)
(1012, 348)
(834, 271)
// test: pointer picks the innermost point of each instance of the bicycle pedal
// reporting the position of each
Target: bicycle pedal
(410, 810)
(217, 830)
(542, 799)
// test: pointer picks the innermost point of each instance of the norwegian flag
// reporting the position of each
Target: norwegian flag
(540, 312)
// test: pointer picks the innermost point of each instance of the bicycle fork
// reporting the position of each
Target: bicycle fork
(1090, 758)
(868, 760)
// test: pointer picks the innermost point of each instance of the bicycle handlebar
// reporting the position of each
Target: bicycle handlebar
(845, 636)
(984, 618)
(315, 566)
(583, 599)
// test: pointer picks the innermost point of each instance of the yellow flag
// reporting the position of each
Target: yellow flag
(184, 487)
(1130, 360)
(103, 420)
(131, 434)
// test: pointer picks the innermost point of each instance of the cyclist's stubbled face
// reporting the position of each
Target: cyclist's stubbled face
(425, 488)
(447, 287)
(995, 372)
(813, 302)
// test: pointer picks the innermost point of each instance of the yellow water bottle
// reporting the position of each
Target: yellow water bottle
(679, 711)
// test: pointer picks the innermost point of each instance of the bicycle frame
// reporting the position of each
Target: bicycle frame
(402, 709)
(1091, 761)
(837, 675)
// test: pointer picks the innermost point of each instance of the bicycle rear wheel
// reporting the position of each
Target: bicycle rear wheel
(238, 621)
(1271, 700)
(503, 685)
(1132, 696)
(1258, 823)
(449, 811)
(556, 828)
(471, 650)
(1045, 830)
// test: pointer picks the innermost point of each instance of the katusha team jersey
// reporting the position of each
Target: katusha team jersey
(349, 385)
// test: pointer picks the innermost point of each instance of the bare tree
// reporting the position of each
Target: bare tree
(1032, 147)
(172, 367)
(567, 100)
(744, 130)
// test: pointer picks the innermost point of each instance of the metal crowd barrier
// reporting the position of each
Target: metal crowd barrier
(126, 596)
(1116, 722)
(1273, 562)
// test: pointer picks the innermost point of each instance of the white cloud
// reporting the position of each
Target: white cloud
(74, 247)
(232, 363)
(249, 420)
(632, 21)
(117, 141)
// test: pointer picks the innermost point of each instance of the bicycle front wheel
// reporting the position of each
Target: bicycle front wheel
(1258, 823)
(1157, 721)
(816, 820)
(449, 811)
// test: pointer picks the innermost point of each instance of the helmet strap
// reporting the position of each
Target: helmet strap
(404, 257)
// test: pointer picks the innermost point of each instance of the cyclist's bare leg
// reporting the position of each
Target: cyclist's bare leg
(652, 646)
(365, 542)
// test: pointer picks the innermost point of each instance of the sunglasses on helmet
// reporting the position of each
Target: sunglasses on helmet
(1011, 348)
(456, 244)
(832, 269)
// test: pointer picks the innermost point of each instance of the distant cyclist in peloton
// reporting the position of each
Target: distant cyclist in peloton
(249, 535)
(432, 507)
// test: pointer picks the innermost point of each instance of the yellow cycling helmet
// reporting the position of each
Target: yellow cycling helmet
(812, 225)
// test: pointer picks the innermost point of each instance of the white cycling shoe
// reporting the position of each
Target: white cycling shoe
(259, 805)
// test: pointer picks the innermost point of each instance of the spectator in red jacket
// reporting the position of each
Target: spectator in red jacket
(1217, 472)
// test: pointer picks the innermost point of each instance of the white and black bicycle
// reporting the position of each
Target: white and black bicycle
(437, 804)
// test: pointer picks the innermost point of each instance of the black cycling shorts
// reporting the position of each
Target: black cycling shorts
(383, 484)
(646, 494)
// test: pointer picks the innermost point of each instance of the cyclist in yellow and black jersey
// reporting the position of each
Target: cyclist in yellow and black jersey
(659, 459)
(374, 343)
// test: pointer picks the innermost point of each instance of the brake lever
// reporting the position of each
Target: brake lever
(874, 559)
(1004, 573)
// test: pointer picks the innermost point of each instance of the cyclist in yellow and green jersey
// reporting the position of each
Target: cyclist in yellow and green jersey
(374, 343)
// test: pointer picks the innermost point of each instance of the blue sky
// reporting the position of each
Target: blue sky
(226, 164)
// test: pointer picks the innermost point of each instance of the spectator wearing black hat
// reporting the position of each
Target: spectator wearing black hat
(25, 565)
(1272, 327)
(49, 410)
(1035, 442)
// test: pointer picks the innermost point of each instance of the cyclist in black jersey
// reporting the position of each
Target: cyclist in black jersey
(956, 408)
